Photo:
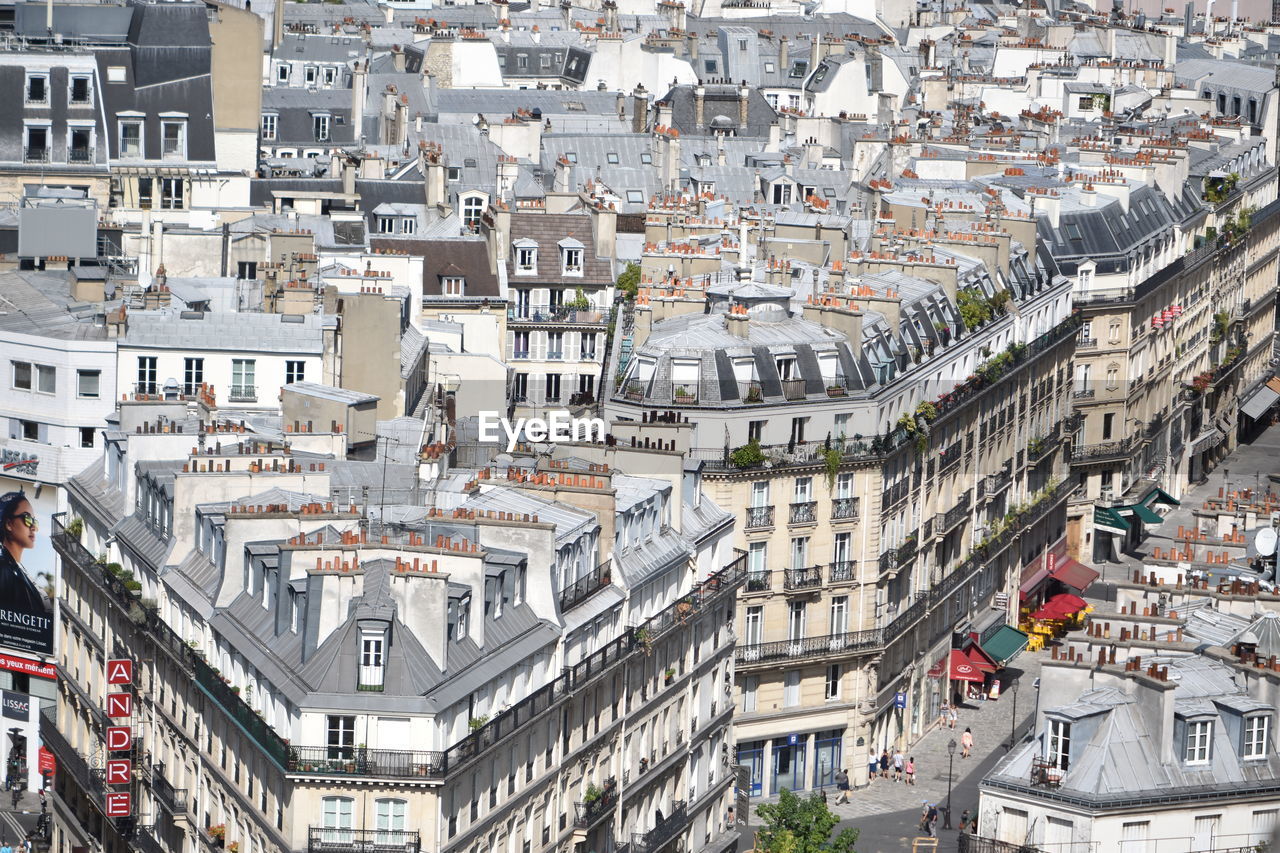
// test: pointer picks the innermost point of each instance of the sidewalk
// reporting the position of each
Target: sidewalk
(887, 813)
(17, 823)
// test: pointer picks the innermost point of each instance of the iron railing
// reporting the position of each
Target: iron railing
(844, 509)
(171, 799)
(325, 840)
(809, 647)
(804, 512)
(759, 581)
(359, 761)
(585, 587)
(588, 814)
(80, 155)
(843, 571)
(244, 393)
(1102, 450)
(35, 155)
(759, 516)
(664, 831)
(807, 578)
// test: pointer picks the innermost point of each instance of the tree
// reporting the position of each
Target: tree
(795, 825)
(629, 281)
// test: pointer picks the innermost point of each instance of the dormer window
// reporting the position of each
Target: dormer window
(573, 262)
(526, 257)
(1257, 730)
(1058, 744)
(453, 285)
(1196, 749)
(373, 643)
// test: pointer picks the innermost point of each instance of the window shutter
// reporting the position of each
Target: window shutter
(511, 344)
(572, 346)
(539, 346)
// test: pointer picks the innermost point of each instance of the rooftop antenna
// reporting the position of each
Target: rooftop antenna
(48, 16)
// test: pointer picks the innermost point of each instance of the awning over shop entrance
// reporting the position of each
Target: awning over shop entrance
(1142, 513)
(1005, 644)
(1075, 574)
(1031, 577)
(1160, 496)
(1263, 398)
(1106, 518)
(1207, 440)
(962, 669)
(1060, 607)
(981, 659)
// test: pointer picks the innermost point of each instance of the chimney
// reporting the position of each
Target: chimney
(397, 52)
(782, 55)
(693, 46)
(639, 109)
(605, 218)
(390, 16)
(359, 79)
(699, 106)
(563, 180)
(744, 104)
(348, 176)
(611, 16)
(736, 321)
(431, 164)
(664, 113)
(1088, 196)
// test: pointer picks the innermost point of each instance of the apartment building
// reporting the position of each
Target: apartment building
(1177, 326)
(538, 657)
(559, 273)
(888, 501)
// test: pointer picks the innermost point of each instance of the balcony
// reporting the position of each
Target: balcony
(804, 512)
(793, 389)
(684, 395)
(145, 840)
(171, 799)
(244, 394)
(945, 522)
(146, 388)
(907, 550)
(844, 509)
(555, 315)
(843, 571)
(520, 355)
(1102, 451)
(798, 579)
(667, 829)
(759, 582)
(759, 516)
(948, 457)
(999, 481)
(358, 761)
(1045, 773)
(1086, 343)
(750, 392)
(322, 840)
(888, 561)
(589, 814)
(555, 355)
(809, 647)
(35, 155)
(585, 587)
(1084, 394)
(80, 156)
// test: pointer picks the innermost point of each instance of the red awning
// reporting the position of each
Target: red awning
(1075, 574)
(1031, 577)
(962, 669)
(1060, 607)
(938, 668)
(981, 659)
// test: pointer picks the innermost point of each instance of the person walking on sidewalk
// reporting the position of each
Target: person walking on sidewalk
(951, 716)
(911, 770)
(966, 743)
(944, 714)
(932, 821)
(964, 819)
(842, 785)
(873, 763)
(898, 761)
(884, 764)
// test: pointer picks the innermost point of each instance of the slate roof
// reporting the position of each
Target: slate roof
(466, 256)
(39, 303)
(250, 332)
(547, 230)
(721, 102)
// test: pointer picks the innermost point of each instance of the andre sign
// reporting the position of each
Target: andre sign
(119, 770)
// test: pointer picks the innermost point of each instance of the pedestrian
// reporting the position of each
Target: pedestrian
(873, 762)
(911, 770)
(5, 847)
(952, 716)
(884, 764)
(944, 714)
(842, 785)
(964, 819)
(924, 816)
(966, 743)
(898, 761)
(932, 819)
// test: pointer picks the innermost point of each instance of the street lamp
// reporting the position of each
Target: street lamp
(951, 762)
(1013, 723)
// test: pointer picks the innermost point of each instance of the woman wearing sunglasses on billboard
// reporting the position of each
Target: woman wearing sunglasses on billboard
(26, 620)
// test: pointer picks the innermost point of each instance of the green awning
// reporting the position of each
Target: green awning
(1004, 645)
(1145, 515)
(1160, 496)
(1108, 519)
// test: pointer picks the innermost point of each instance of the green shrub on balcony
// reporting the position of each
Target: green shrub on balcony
(747, 455)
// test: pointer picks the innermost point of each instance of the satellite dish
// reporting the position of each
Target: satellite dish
(1265, 541)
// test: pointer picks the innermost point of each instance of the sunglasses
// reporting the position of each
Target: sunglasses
(29, 520)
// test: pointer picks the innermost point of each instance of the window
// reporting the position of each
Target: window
(371, 661)
(294, 371)
(80, 92)
(86, 436)
(1113, 377)
(408, 225)
(37, 148)
(635, 197)
(269, 123)
(88, 384)
(1108, 425)
(526, 260)
(340, 735)
(553, 387)
(320, 127)
(173, 139)
(472, 208)
(791, 691)
(390, 824)
(755, 431)
(571, 156)
(386, 225)
(454, 173)
(799, 552)
(750, 684)
(797, 620)
(804, 490)
(1113, 335)
(131, 138)
(646, 158)
(116, 74)
(782, 193)
(1197, 746)
(521, 345)
(22, 374)
(147, 374)
(839, 614)
(453, 285)
(1059, 744)
(797, 430)
(756, 557)
(844, 485)
(832, 690)
(573, 262)
(192, 375)
(337, 817)
(37, 89)
(1256, 729)
(799, 68)
(28, 430)
(544, 61)
(522, 61)
(244, 385)
(611, 158)
(309, 74)
(246, 269)
(330, 76)
(172, 191)
(282, 73)
(710, 65)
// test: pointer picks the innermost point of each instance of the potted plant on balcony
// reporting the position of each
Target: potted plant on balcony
(218, 833)
(669, 676)
(478, 723)
(835, 390)
(233, 847)
(748, 455)
(683, 395)
(753, 394)
(592, 794)
(645, 639)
